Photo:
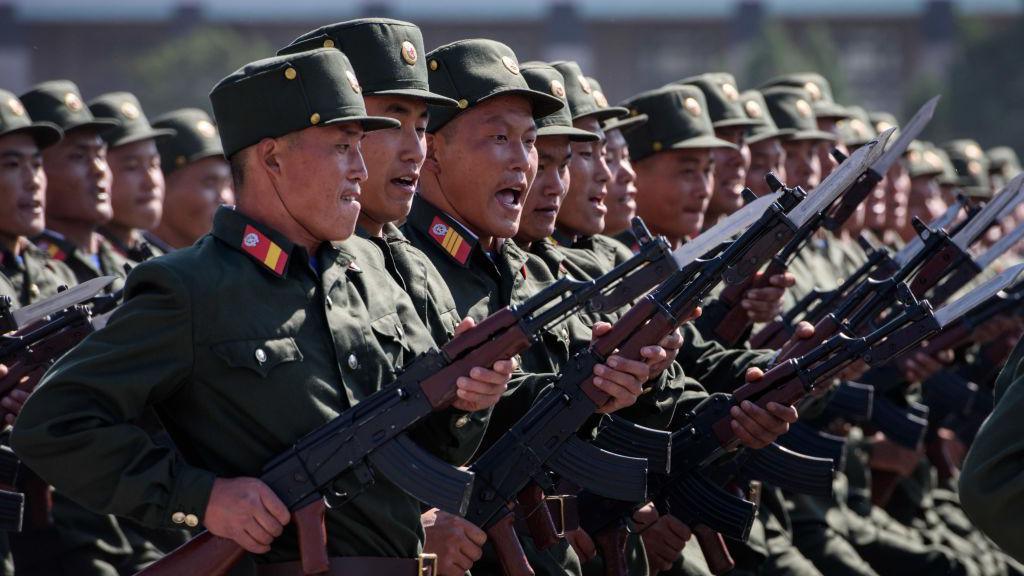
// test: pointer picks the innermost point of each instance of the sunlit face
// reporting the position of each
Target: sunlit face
(137, 193)
(549, 188)
(621, 198)
(393, 158)
(673, 191)
(803, 166)
(925, 202)
(583, 211)
(765, 156)
(78, 178)
(193, 194)
(22, 187)
(730, 171)
(485, 161)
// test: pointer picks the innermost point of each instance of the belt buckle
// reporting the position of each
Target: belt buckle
(561, 513)
(426, 565)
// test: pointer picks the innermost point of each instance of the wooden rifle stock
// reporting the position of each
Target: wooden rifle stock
(611, 545)
(716, 553)
(532, 506)
(502, 535)
(205, 554)
(731, 328)
(826, 328)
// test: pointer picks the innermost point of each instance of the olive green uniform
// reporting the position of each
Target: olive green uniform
(107, 261)
(236, 381)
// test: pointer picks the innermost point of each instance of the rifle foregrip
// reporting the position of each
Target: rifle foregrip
(772, 335)
(534, 509)
(823, 330)
(502, 535)
(780, 384)
(309, 522)
(480, 334)
(611, 544)
(205, 554)
(929, 274)
(625, 327)
(716, 553)
(440, 387)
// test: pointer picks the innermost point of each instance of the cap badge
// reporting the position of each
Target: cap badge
(16, 108)
(600, 99)
(511, 64)
(974, 167)
(813, 91)
(557, 89)
(129, 110)
(803, 108)
(206, 129)
(584, 83)
(353, 82)
(731, 94)
(753, 109)
(409, 53)
(72, 101)
(972, 151)
(692, 106)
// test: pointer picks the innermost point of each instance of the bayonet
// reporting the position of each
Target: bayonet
(22, 317)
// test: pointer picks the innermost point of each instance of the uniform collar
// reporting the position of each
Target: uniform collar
(268, 247)
(55, 245)
(450, 236)
(562, 238)
(155, 240)
(138, 250)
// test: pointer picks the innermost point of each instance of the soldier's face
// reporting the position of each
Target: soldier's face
(22, 187)
(765, 156)
(137, 193)
(674, 188)
(584, 208)
(897, 191)
(393, 158)
(548, 190)
(803, 168)
(484, 162)
(925, 201)
(730, 172)
(621, 198)
(193, 194)
(79, 179)
(320, 170)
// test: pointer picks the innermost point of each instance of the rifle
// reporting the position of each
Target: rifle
(736, 322)
(731, 327)
(370, 438)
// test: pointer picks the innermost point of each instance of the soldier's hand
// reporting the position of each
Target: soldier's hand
(671, 344)
(919, 366)
(247, 511)
(764, 304)
(13, 403)
(756, 427)
(484, 386)
(457, 542)
(664, 539)
(582, 544)
(621, 378)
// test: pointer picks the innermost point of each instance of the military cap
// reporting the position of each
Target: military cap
(628, 121)
(948, 176)
(971, 167)
(678, 119)
(756, 109)
(276, 96)
(792, 112)
(386, 55)
(543, 77)
(195, 137)
(723, 99)
(133, 125)
(471, 71)
(14, 119)
(818, 89)
(1003, 160)
(584, 101)
(60, 102)
(922, 160)
(856, 130)
(882, 121)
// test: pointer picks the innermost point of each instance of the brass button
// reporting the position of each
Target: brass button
(261, 356)
(328, 43)
(433, 64)
(462, 421)
(191, 521)
(290, 73)
(329, 302)
(463, 103)
(353, 362)
(181, 160)
(315, 118)
(656, 146)
(178, 517)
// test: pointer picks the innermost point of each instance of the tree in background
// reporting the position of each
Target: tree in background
(779, 49)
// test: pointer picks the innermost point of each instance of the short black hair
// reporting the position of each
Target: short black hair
(238, 163)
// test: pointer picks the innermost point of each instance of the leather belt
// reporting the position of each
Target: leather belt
(425, 565)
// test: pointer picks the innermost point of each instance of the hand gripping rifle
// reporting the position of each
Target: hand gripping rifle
(370, 438)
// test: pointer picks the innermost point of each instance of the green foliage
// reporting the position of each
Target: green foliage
(784, 50)
(181, 71)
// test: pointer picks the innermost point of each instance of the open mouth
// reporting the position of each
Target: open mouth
(598, 203)
(406, 182)
(33, 206)
(350, 197)
(509, 198)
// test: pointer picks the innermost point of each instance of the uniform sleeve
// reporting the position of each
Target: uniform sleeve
(76, 430)
(717, 368)
(992, 478)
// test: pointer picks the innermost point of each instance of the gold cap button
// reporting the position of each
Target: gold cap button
(315, 118)
(178, 517)
(656, 146)
(353, 362)
(433, 64)
(191, 521)
(328, 43)
(463, 103)
(261, 356)
(290, 73)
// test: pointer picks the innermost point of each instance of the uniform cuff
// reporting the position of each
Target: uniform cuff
(187, 504)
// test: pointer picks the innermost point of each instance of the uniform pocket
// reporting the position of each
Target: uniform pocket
(261, 355)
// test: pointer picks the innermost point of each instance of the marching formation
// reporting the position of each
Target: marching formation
(398, 312)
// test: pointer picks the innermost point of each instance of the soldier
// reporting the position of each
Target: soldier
(197, 178)
(763, 139)
(925, 199)
(79, 183)
(137, 192)
(621, 187)
(239, 378)
(1003, 166)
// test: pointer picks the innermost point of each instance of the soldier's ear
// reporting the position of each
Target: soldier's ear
(430, 164)
(268, 153)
